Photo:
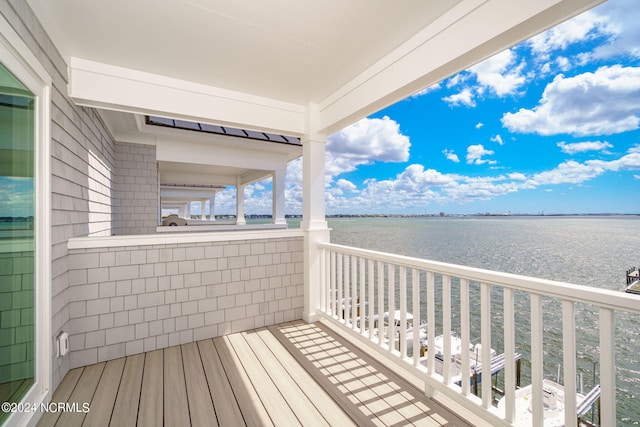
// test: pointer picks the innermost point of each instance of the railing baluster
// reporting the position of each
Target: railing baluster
(607, 368)
(391, 279)
(509, 359)
(362, 296)
(346, 303)
(380, 327)
(431, 323)
(415, 297)
(340, 301)
(569, 361)
(485, 340)
(334, 295)
(354, 291)
(537, 354)
(446, 328)
(323, 280)
(464, 334)
(371, 297)
(402, 344)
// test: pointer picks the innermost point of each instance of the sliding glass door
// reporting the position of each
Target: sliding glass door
(17, 239)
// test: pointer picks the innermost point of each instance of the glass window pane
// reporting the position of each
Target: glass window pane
(17, 210)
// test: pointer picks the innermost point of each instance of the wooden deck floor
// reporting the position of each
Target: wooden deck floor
(289, 374)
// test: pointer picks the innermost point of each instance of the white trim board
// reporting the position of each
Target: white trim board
(179, 238)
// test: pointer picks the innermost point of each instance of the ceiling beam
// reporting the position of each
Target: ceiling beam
(190, 152)
(115, 88)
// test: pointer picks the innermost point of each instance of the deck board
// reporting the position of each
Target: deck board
(176, 405)
(275, 404)
(222, 394)
(331, 411)
(82, 393)
(125, 410)
(105, 395)
(200, 404)
(62, 394)
(292, 392)
(253, 411)
(288, 374)
(152, 393)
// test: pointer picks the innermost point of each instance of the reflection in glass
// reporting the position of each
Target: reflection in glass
(17, 210)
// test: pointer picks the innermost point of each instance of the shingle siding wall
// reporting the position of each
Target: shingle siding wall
(136, 189)
(16, 320)
(129, 300)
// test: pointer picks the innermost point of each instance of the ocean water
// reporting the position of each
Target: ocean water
(592, 251)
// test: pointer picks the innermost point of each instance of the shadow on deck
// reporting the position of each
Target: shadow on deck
(287, 374)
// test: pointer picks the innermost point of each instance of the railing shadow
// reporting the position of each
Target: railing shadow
(365, 389)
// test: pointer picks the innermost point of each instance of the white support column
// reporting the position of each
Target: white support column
(203, 215)
(313, 222)
(212, 202)
(277, 190)
(240, 203)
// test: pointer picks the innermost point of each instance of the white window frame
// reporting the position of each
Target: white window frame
(23, 64)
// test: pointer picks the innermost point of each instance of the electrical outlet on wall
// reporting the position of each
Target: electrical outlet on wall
(62, 341)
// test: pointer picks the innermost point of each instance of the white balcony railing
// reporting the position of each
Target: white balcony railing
(383, 285)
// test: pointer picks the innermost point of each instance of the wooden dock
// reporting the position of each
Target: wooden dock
(633, 281)
(633, 288)
(289, 374)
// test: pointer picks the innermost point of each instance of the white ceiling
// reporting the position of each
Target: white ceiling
(297, 51)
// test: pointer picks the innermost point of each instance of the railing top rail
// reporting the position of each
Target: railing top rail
(604, 298)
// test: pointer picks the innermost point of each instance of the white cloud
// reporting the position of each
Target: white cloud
(465, 97)
(451, 155)
(456, 80)
(346, 185)
(572, 172)
(583, 27)
(416, 177)
(479, 125)
(364, 142)
(622, 18)
(225, 202)
(497, 139)
(475, 154)
(581, 147)
(416, 186)
(563, 63)
(294, 171)
(604, 102)
(500, 74)
(517, 176)
(16, 194)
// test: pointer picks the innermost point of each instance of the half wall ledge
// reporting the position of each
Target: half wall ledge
(199, 228)
(177, 238)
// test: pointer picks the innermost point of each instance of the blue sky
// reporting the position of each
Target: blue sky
(551, 125)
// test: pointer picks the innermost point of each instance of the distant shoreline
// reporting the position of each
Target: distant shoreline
(232, 217)
(473, 215)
